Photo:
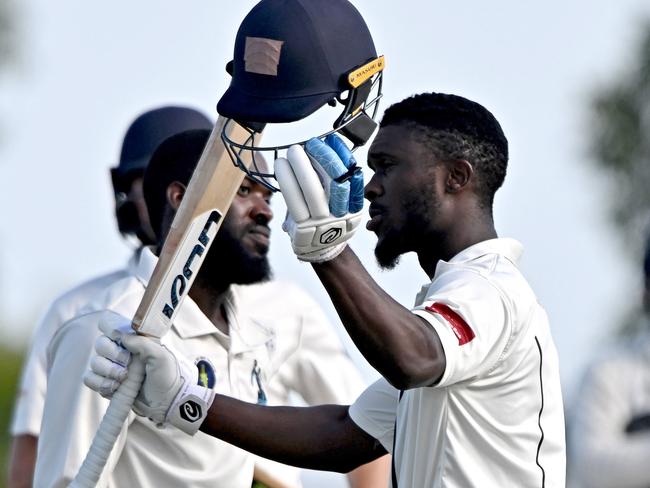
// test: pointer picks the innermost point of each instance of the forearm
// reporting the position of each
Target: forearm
(22, 461)
(371, 475)
(398, 343)
(322, 437)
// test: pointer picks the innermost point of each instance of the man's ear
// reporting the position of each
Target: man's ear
(459, 175)
(175, 193)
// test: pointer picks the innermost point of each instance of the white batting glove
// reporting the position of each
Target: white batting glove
(323, 190)
(170, 392)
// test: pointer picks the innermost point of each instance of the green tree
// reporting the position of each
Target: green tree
(10, 366)
(7, 33)
(10, 360)
(620, 145)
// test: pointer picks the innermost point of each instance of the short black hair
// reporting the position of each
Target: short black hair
(454, 127)
(173, 160)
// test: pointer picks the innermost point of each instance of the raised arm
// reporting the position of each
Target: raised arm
(322, 215)
(399, 344)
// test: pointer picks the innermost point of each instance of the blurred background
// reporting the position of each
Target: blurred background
(569, 81)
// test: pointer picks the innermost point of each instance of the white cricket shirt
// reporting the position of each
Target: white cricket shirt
(146, 456)
(308, 356)
(495, 419)
(28, 409)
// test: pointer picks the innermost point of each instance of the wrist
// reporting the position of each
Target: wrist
(190, 407)
(322, 255)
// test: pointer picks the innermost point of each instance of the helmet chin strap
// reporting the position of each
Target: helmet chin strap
(360, 126)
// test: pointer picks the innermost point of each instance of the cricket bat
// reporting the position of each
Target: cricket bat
(210, 192)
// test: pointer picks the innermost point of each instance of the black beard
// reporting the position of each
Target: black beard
(409, 235)
(387, 252)
(228, 262)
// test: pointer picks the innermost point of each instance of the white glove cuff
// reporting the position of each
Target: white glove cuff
(190, 407)
(322, 255)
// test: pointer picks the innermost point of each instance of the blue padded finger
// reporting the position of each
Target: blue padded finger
(356, 181)
(329, 166)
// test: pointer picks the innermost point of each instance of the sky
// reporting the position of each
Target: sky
(86, 69)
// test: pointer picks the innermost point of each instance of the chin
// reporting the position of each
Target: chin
(386, 256)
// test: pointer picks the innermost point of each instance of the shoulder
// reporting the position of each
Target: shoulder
(121, 296)
(79, 295)
(276, 293)
(279, 301)
(69, 303)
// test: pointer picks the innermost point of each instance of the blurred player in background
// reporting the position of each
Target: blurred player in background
(253, 343)
(610, 428)
(142, 137)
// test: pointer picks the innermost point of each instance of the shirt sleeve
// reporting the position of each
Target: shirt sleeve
(28, 409)
(72, 411)
(321, 371)
(472, 321)
(603, 454)
(375, 412)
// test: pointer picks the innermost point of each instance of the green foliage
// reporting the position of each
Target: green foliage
(621, 145)
(7, 32)
(10, 367)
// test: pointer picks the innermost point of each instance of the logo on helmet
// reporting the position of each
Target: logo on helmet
(330, 236)
(191, 411)
(262, 56)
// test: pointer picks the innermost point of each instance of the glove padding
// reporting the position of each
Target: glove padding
(169, 393)
(323, 190)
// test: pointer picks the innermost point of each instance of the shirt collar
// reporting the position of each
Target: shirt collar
(192, 322)
(509, 248)
(505, 246)
(143, 264)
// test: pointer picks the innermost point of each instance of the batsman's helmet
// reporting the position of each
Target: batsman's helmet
(291, 57)
(142, 137)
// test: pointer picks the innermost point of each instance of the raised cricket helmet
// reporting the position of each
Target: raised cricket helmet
(292, 57)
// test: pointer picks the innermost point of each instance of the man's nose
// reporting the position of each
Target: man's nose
(261, 210)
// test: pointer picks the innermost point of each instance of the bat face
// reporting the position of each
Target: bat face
(210, 192)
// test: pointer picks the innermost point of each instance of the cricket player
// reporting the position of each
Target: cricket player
(237, 339)
(470, 394)
(610, 430)
(143, 135)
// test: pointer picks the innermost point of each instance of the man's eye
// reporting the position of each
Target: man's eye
(243, 191)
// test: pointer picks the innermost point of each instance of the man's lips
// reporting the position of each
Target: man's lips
(376, 215)
(260, 235)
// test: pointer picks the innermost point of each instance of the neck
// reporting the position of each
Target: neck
(445, 245)
(211, 299)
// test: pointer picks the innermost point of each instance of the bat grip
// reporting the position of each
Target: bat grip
(110, 427)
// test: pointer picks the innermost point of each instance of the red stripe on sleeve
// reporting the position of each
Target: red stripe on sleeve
(461, 328)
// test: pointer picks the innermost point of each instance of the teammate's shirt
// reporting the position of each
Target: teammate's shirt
(610, 427)
(307, 355)
(28, 409)
(242, 364)
(495, 418)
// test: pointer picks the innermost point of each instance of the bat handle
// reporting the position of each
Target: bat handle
(110, 427)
